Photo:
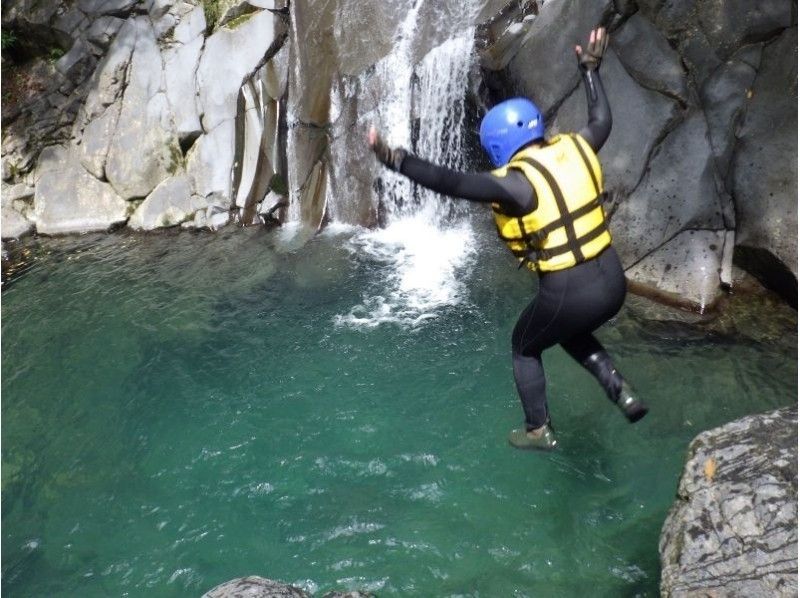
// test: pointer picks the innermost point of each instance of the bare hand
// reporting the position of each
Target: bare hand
(591, 58)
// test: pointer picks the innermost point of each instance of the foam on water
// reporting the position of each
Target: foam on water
(424, 267)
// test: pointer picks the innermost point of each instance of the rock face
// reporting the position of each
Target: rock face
(145, 104)
(195, 123)
(733, 529)
(261, 587)
(703, 152)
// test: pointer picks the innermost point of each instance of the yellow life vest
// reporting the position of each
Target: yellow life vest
(568, 225)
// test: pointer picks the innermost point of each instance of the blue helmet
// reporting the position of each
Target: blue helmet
(509, 126)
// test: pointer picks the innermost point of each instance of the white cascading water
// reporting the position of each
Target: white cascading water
(426, 245)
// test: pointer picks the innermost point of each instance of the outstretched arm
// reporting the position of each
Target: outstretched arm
(513, 192)
(599, 126)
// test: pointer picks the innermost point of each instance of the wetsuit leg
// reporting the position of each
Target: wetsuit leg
(588, 352)
(570, 304)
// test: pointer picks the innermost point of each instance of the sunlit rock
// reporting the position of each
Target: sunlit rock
(170, 204)
(70, 200)
(14, 224)
(145, 127)
(180, 68)
(733, 528)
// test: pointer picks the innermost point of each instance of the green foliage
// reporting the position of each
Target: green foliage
(212, 10)
(7, 39)
(234, 23)
(278, 185)
(54, 54)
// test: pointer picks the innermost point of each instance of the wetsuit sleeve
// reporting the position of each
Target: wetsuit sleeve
(513, 192)
(597, 130)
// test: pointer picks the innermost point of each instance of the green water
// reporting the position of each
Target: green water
(180, 410)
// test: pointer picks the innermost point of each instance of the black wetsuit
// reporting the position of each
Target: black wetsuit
(571, 303)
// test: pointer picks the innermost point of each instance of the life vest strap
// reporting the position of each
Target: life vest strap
(572, 241)
(586, 163)
(550, 252)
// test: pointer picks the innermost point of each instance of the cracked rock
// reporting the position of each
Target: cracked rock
(733, 529)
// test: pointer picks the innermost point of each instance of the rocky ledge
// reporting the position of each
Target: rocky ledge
(261, 587)
(733, 528)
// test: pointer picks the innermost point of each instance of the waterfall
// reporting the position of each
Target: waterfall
(426, 240)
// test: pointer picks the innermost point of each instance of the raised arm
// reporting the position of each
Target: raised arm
(513, 192)
(598, 128)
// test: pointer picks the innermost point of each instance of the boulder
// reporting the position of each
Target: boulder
(255, 587)
(70, 200)
(14, 224)
(733, 529)
(170, 204)
(261, 587)
(144, 128)
(765, 161)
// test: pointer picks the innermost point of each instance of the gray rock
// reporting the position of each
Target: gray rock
(649, 59)
(255, 587)
(642, 117)
(733, 528)
(170, 204)
(252, 168)
(102, 31)
(687, 267)
(14, 225)
(678, 192)
(78, 63)
(98, 8)
(180, 66)
(144, 128)
(18, 192)
(210, 160)
(229, 58)
(729, 24)
(724, 96)
(191, 26)
(69, 25)
(765, 162)
(217, 217)
(544, 66)
(69, 200)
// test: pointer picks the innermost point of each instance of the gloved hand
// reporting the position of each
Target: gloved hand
(590, 58)
(391, 157)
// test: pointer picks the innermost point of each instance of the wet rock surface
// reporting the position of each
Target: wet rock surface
(733, 528)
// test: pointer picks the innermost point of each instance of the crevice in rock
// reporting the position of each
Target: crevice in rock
(769, 270)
